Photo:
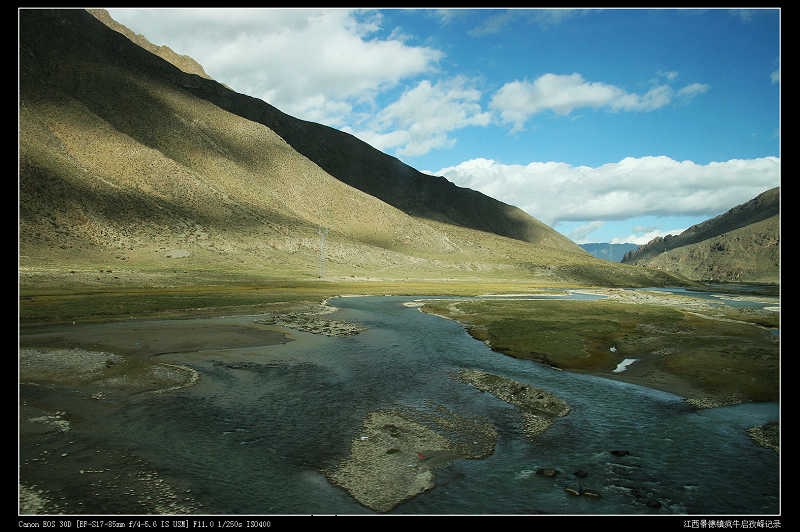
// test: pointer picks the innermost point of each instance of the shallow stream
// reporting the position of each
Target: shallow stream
(253, 436)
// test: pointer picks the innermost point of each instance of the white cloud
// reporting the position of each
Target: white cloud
(545, 18)
(553, 192)
(693, 89)
(311, 63)
(776, 74)
(499, 20)
(645, 237)
(381, 141)
(421, 119)
(492, 24)
(579, 233)
(653, 99)
(517, 101)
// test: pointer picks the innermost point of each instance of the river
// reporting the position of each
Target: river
(255, 433)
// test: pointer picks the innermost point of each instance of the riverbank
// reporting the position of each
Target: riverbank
(65, 466)
(710, 354)
(74, 378)
(70, 374)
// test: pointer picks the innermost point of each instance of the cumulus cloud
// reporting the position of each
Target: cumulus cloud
(642, 238)
(311, 63)
(421, 119)
(516, 101)
(554, 192)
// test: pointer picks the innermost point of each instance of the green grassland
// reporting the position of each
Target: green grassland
(64, 303)
(699, 357)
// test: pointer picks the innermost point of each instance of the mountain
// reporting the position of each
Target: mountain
(184, 62)
(611, 252)
(358, 164)
(742, 244)
(130, 165)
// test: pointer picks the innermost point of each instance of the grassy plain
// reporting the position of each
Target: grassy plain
(711, 358)
(66, 303)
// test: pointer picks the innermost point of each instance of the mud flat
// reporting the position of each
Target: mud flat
(100, 373)
(64, 466)
(75, 377)
(395, 456)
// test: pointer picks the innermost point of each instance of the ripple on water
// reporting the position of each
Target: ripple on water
(250, 437)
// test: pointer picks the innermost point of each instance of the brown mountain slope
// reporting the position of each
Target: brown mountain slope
(127, 177)
(360, 165)
(763, 206)
(742, 244)
(749, 254)
(184, 62)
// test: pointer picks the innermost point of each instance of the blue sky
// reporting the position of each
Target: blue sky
(610, 125)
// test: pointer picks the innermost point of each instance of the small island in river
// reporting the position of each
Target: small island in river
(395, 456)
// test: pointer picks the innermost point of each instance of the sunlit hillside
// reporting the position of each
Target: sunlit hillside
(128, 178)
(742, 244)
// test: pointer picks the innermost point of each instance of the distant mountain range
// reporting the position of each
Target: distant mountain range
(128, 162)
(742, 244)
(611, 252)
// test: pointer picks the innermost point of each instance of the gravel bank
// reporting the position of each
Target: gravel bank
(539, 407)
(311, 322)
(395, 456)
(766, 436)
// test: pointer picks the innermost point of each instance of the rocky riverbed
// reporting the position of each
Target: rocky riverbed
(539, 407)
(64, 469)
(396, 454)
(312, 322)
(766, 435)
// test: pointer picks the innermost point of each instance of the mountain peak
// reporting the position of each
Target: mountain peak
(184, 62)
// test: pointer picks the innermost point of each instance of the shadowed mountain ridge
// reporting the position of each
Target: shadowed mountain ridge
(742, 244)
(358, 164)
(122, 164)
(763, 206)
